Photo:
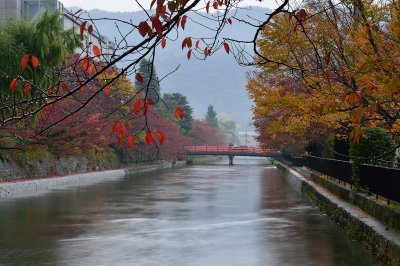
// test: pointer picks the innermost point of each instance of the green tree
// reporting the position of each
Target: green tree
(44, 38)
(229, 129)
(170, 102)
(151, 83)
(377, 142)
(211, 117)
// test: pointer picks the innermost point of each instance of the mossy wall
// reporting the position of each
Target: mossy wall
(386, 214)
(383, 248)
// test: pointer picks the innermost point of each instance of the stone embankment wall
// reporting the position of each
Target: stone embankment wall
(11, 171)
(36, 186)
(378, 237)
(388, 215)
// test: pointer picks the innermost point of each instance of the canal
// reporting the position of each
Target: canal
(246, 214)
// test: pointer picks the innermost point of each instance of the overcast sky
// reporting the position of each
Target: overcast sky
(130, 5)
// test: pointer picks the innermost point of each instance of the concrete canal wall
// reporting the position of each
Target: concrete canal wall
(381, 238)
(24, 188)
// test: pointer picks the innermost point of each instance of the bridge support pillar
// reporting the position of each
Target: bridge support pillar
(230, 159)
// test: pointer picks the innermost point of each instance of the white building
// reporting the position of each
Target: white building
(31, 9)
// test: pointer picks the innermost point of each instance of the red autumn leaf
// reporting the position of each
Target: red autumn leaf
(143, 28)
(197, 44)
(161, 136)
(35, 61)
(96, 50)
(83, 89)
(160, 4)
(64, 86)
(139, 77)
(13, 85)
(189, 53)
(179, 112)
(157, 25)
(149, 138)
(208, 7)
(85, 63)
(120, 139)
(90, 29)
(136, 107)
(116, 126)
(82, 28)
(183, 21)
(152, 3)
(121, 132)
(121, 129)
(184, 43)
(207, 51)
(90, 69)
(94, 87)
(220, 2)
(27, 88)
(163, 43)
(226, 46)
(131, 141)
(229, 20)
(150, 101)
(24, 61)
(107, 91)
(215, 5)
(189, 42)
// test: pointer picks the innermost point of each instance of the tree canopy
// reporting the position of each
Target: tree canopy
(328, 69)
(211, 116)
(137, 51)
(176, 99)
(150, 83)
(325, 68)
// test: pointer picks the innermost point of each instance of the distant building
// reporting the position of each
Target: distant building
(31, 9)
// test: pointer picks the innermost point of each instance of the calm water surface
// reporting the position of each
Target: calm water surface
(246, 214)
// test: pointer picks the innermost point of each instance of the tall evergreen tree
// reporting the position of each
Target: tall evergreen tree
(211, 117)
(150, 82)
(171, 101)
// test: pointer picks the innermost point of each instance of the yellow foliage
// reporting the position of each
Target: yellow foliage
(336, 71)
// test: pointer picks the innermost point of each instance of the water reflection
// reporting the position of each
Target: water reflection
(246, 214)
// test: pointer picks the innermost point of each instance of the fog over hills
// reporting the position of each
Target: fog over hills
(219, 80)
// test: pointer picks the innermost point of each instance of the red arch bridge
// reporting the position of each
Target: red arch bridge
(231, 151)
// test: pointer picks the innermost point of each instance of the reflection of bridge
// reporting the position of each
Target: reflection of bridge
(231, 151)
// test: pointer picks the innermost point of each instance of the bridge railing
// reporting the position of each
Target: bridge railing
(229, 149)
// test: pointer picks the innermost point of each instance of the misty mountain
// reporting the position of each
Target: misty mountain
(219, 80)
